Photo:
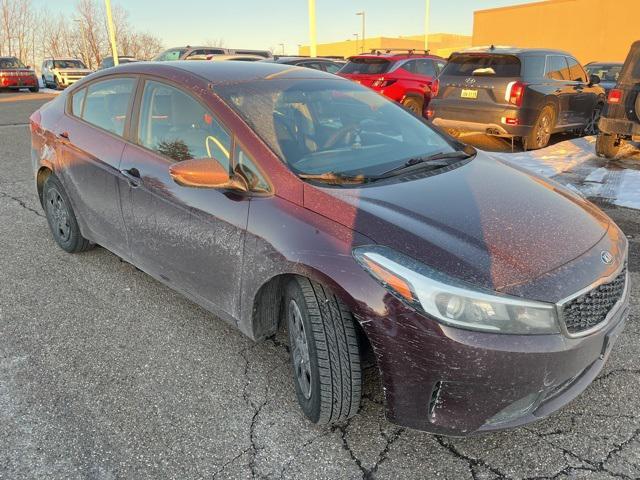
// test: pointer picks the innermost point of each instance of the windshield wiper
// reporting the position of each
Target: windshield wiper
(334, 178)
(434, 160)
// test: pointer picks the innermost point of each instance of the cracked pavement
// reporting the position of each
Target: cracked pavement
(105, 374)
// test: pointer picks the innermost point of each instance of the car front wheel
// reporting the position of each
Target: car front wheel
(61, 218)
(324, 352)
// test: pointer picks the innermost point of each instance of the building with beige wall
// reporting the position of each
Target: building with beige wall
(592, 30)
(439, 44)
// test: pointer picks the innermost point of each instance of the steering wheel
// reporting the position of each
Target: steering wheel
(343, 135)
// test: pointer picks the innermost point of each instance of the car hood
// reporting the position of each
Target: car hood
(484, 222)
(74, 70)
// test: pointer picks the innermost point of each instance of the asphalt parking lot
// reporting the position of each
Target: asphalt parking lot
(105, 374)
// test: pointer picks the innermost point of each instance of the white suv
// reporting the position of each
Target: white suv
(59, 73)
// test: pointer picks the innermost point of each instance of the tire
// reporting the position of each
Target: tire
(57, 85)
(35, 89)
(414, 105)
(541, 131)
(608, 146)
(324, 348)
(61, 218)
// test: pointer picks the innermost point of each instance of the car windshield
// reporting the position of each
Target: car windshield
(11, 63)
(466, 65)
(332, 126)
(606, 72)
(366, 66)
(68, 64)
(171, 54)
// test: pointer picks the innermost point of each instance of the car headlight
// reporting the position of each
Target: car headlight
(454, 302)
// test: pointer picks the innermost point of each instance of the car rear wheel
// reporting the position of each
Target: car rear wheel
(56, 83)
(61, 218)
(414, 105)
(324, 352)
(608, 146)
(35, 89)
(541, 131)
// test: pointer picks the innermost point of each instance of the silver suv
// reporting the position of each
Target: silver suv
(59, 73)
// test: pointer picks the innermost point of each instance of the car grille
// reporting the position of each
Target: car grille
(590, 309)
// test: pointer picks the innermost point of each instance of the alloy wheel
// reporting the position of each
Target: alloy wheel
(543, 131)
(592, 125)
(300, 350)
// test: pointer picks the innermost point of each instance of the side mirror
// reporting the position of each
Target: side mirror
(205, 173)
(594, 79)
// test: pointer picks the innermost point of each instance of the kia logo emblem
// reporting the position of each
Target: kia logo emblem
(606, 257)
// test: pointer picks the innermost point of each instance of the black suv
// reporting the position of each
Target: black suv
(515, 92)
(621, 116)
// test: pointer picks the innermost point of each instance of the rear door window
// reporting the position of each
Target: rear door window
(467, 65)
(426, 68)
(557, 68)
(107, 104)
(331, 67)
(366, 66)
(177, 126)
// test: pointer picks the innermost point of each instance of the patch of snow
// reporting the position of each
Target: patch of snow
(628, 192)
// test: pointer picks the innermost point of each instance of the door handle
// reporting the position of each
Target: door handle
(133, 176)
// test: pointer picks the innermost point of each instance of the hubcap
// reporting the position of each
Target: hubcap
(543, 133)
(300, 349)
(58, 214)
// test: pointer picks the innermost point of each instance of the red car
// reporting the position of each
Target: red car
(14, 74)
(404, 76)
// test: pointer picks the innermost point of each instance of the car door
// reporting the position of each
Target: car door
(557, 73)
(425, 73)
(191, 238)
(90, 138)
(584, 97)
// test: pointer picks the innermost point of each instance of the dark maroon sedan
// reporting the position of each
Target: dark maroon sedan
(15, 75)
(279, 196)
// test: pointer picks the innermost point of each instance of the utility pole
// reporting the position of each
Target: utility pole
(362, 14)
(426, 24)
(112, 33)
(357, 35)
(313, 36)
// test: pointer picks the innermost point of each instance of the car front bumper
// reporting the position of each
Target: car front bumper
(458, 382)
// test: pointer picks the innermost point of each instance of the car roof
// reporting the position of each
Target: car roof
(504, 50)
(390, 55)
(226, 72)
(62, 58)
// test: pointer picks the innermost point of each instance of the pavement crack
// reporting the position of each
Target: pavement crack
(22, 203)
(472, 462)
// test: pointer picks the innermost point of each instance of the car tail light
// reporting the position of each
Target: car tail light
(615, 96)
(510, 121)
(515, 93)
(383, 82)
(435, 87)
(430, 113)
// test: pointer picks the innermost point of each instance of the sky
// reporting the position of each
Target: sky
(266, 24)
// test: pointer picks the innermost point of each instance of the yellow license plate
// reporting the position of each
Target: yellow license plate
(469, 94)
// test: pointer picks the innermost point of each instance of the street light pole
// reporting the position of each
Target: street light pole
(362, 14)
(426, 24)
(356, 35)
(282, 45)
(112, 33)
(313, 37)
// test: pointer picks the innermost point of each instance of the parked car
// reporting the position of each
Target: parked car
(315, 63)
(107, 62)
(59, 73)
(521, 93)
(273, 198)
(620, 120)
(235, 58)
(405, 76)
(16, 75)
(202, 53)
(607, 72)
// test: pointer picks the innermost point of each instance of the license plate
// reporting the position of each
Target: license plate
(469, 94)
